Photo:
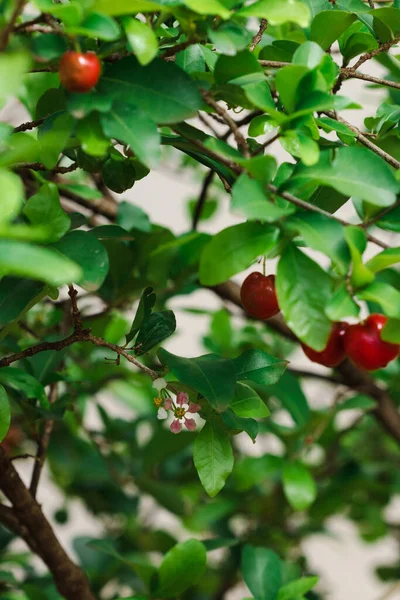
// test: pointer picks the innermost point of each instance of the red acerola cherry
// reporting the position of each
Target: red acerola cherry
(78, 71)
(258, 296)
(333, 353)
(363, 344)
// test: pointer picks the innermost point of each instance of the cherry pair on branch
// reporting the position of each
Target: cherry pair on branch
(362, 342)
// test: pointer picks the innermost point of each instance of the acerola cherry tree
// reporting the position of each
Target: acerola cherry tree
(109, 88)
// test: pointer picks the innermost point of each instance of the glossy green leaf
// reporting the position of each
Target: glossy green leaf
(278, 11)
(97, 25)
(17, 296)
(5, 413)
(154, 329)
(328, 25)
(84, 249)
(53, 135)
(146, 305)
(132, 217)
(300, 145)
(385, 295)
(129, 124)
(297, 589)
(213, 457)
(250, 201)
(191, 59)
(91, 136)
(208, 7)
(391, 331)
(123, 7)
(236, 247)
(359, 402)
(141, 39)
(356, 240)
(298, 485)
(13, 66)
(230, 37)
(211, 376)
(259, 367)
(21, 381)
(237, 424)
(118, 174)
(262, 572)
(44, 208)
(302, 298)
(341, 305)
(12, 195)
(182, 567)
(289, 392)
(386, 258)
(27, 260)
(160, 89)
(247, 403)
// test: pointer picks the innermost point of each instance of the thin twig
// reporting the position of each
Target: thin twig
(171, 52)
(202, 199)
(351, 74)
(383, 213)
(209, 125)
(36, 166)
(43, 445)
(76, 315)
(382, 48)
(29, 125)
(257, 38)
(6, 32)
(240, 140)
(267, 143)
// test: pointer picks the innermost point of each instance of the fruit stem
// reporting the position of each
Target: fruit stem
(264, 265)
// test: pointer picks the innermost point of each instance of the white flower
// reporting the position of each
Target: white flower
(159, 384)
(162, 414)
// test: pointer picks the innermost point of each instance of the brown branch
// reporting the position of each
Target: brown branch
(202, 199)
(29, 125)
(171, 52)
(382, 48)
(240, 140)
(365, 141)
(386, 411)
(36, 166)
(43, 445)
(257, 38)
(267, 143)
(76, 314)
(70, 580)
(6, 32)
(9, 519)
(351, 74)
(100, 206)
(383, 213)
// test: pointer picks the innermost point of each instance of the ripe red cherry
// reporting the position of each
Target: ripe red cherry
(363, 344)
(78, 71)
(258, 296)
(334, 353)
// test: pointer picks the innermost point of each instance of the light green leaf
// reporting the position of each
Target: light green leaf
(250, 201)
(182, 567)
(130, 216)
(127, 123)
(259, 367)
(141, 39)
(53, 135)
(359, 402)
(300, 145)
(208, 7)
(357, 242)
(236, 247)
(341, 305)
(91, 136)
(97, 25)
(391, 331)
(230, 38)
(44, 208)
(247, 403)
(27, 260)
(328, 25)
(213, 457)
(262, 572)
(12, 195)
(298, 485)
(385, 295)
(389, 256)
(5, 413)
(127, 7)
(278, 11)
(13, 66)
(302, 298)
(296, 589)
(308, 55)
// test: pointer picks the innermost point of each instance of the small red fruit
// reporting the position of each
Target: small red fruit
(334, 353)
(78, 71)
(363, 344)
(258, 296)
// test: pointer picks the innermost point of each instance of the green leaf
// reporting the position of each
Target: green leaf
(141, 39)
(247, 403)
(296, 589)
(44, 208)
(302, 298)
(16, 297)
(97, 25)
(353, 171)
(328, 25)
(236, 247)
(13, 66)
(182, 567)
(118, 174)
(91, 136)
(341, 305)
(12, 195)
(130, 217)
(308, 55)
(230, 38)
(5, 414)
(323, 234)
(298, 485)
(359, 402)
(391, 331)
(21, 381)
(191, 59)
(27, 260)
(208, 7)
(301, 145)
(160, 89)
(259, 367)
(146, 305)
(53, 135)
(328, 124)
(90, 254)
(385, 295)
(154, 329)
(389, 256)
(211, 376)
(357, 242)
(289, 392)
(213, 457)
(262, 572)
(278, 11)
(250, 201)
(129, 124)
(238, 424)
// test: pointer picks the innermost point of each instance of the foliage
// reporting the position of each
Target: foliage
(212, 88)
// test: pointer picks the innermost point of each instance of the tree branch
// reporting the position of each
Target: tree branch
(70, 580)
(240, 140)
(257, 38)
(202, 199)
(36, 166)
(43, 445)
(6, 32)
(382, 48)
(29, 125)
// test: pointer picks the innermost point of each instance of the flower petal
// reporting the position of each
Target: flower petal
(190, 424)
(159, 384)
(194, 408)
(162, 414)
(182, 398)
(167, 404)
(176, 426)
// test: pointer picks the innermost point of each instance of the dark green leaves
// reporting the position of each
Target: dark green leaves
(213, 457)
(182, 567)
(5, 414)
(328, 25)
(234, 249)
(262, 573)
(18, 380)
(160, 89)
(258, 367)
(298, 485)
(303, 290)
(146, 305)
(154, 329)
(250, 201)
(213, 377)
(43, 208)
